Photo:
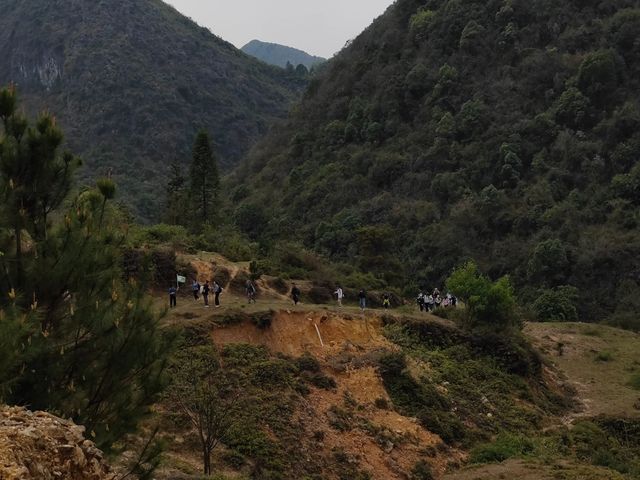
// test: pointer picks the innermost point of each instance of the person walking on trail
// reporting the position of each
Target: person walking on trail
(429, 303)
(362, 296)
(295, 294)
(205, 293)
(339, 293)
(217, 290)
(195, 288)
(251, 291)
(173, 291)
(386, 301)
(421, 302)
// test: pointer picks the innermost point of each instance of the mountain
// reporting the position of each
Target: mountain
(132, 82)
(503, 131)
(279, 55)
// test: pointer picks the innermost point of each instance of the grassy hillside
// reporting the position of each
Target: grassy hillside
(396, 394)
(280, 55)
(132, 82)
(506, 131)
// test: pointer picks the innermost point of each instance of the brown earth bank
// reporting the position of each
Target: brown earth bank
(40, 446)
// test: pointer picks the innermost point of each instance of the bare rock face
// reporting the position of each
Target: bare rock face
(40, 446)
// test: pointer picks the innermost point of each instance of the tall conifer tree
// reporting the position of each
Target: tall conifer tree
(205, 179)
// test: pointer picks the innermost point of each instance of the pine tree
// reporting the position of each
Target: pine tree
(176, 203)
(81, 341)
(205, 179)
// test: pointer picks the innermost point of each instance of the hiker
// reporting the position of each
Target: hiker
(454, 301)
(251, 291)
(429, 303)
(421, 302)
(217, 290)
(436, 293)
(205, 293)
(339, 293)
(362, 296)
(173, 291)
(386, 302)
(195, 287)
(295, 294)
(437, 301)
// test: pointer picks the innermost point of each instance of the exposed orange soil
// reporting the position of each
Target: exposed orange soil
(294, 333)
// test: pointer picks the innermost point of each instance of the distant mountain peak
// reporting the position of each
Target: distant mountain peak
(132, 82)
(280, 55)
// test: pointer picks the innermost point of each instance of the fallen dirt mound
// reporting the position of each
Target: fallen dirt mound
(294, 333)
(40, 446)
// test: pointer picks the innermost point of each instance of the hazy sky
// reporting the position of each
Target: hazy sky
(318, 27)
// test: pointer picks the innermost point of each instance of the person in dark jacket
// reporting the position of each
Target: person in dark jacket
(217, 290)
(205, 293)
(173, 291)
(362, 296)
(295, 294)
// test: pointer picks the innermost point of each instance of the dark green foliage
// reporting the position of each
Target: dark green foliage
(489, 305)
(421, 400)
(634, 381)
(158, 85)
(473, 386)
(205, 181)
(505, 446)
(88, 345)
(505, 132)
(421, 471)
(558, 304)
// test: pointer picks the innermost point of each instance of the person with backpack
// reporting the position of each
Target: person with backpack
(386, 301)
(173, 291)
(339, 293)
(217, 290)
(437, 301)
(295, 294)
(362, 296)
(205, 293)
(429, 303)
(195, 287)
(421, 302)
(251, 291)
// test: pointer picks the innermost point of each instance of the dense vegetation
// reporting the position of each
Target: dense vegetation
(77, 337)
(132, 82)
(504, 131)
(280, 55)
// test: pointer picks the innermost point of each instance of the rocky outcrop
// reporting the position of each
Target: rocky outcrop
(40, 446)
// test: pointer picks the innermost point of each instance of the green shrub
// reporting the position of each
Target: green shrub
(308, 363)
(234, 459)
(488, 304)
(603, 357)
(505, 446)
(263, 320)
(634, 381)
(422, 471)
(320, 380)
(559, 304)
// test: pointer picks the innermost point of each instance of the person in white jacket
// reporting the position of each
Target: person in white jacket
(339, 293)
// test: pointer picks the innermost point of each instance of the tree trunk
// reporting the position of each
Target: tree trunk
(206, 453)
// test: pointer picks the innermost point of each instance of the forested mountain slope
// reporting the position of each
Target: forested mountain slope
(280, 55)
(131, 82)
(503, 130)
